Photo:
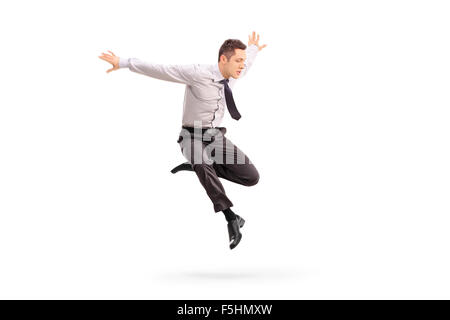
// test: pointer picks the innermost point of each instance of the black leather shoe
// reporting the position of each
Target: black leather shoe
(184, 166)
(241, 221)
(234, 234)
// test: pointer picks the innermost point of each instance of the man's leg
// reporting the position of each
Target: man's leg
(232, 164)
(214, 188)
(193, 149)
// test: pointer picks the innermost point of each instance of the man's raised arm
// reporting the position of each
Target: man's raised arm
(251, 53)
(252, 50)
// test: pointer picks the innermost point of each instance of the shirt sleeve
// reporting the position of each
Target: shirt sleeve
(187, 74)
(251, 53)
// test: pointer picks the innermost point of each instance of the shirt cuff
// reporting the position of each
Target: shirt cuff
(124, 63)
(253, 47)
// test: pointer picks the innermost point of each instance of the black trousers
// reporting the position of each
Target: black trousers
(213, 156)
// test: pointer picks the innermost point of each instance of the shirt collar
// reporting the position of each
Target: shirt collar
(217, 75)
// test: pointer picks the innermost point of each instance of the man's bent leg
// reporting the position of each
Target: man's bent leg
(232, 164)
(244, 174)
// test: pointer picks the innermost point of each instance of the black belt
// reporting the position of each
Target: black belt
(192, 129)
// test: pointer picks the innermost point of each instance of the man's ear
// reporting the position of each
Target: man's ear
(223, 58)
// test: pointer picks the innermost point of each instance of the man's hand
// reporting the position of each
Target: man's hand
(254, 40)
(111, 58)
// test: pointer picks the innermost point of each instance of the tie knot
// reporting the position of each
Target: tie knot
(223, 81)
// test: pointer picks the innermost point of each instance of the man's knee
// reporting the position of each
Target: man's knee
(253, 179)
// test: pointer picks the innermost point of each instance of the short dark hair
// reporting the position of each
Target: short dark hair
(228, 47)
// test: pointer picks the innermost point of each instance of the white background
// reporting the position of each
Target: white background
(345, 113)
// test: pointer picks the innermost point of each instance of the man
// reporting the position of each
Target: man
(203, 143)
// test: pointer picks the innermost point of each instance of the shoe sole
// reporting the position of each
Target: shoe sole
(182, 167)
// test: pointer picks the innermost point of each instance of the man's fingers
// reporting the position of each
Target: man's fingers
(107, 55)
(253, 37)
(106, 58)
(112, 53)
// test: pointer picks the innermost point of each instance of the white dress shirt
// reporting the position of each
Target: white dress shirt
(204, 98)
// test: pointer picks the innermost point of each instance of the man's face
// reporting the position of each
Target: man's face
(235, 65)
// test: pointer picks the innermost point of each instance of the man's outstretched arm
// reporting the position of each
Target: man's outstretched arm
(186, 74)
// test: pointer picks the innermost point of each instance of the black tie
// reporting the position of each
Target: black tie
(230, 101)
